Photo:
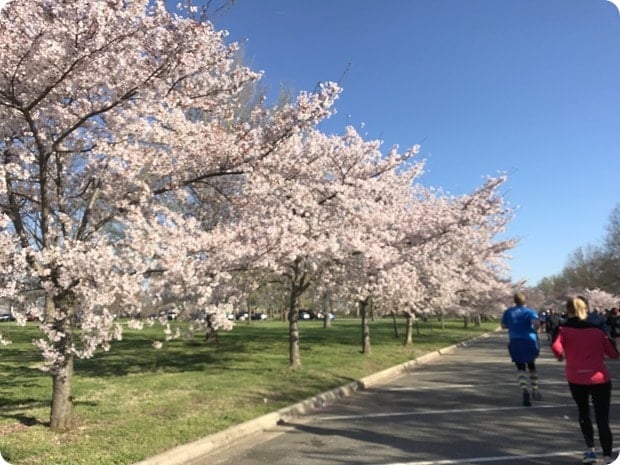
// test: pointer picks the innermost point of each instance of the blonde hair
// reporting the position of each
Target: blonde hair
(576, 307)
(519, 298)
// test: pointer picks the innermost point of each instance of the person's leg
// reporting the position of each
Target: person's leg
(601, 398)
(523, 379)
(531, 367)
(580, 395)
(521, 375)
(520, 352)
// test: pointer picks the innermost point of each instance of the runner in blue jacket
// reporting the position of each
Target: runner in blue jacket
(523, 324)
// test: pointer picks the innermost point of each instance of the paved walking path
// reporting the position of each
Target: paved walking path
(463, 407)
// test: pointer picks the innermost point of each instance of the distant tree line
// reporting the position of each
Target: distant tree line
(590, 266)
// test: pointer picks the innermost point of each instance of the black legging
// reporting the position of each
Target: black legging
(601, 398)
(531, 366)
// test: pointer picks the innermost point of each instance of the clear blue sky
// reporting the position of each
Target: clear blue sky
(526, 87)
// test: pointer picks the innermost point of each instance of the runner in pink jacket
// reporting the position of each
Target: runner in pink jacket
(584, 346)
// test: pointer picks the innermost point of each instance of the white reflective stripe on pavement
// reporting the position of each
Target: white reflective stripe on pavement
(442, 412)
(500, 459)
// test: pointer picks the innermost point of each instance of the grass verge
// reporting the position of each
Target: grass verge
(134, 402)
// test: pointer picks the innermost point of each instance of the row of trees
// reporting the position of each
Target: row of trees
(135, 170)
(591, 266)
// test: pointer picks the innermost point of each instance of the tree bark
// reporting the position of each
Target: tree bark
(409, 330)
(62, 398)
(363, 307)
(326, 310)
(293, 327)
(299, 283)
(62, 374)
(394, 324)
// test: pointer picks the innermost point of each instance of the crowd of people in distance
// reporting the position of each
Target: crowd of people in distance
(608, 319)
(582, 339)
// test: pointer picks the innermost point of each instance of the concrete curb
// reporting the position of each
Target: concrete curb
(184, 454)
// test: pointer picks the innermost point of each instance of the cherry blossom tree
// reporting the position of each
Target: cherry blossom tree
(388, 236)
(377, 277)
(601, 300)
(441, 249)
(118, 134)
(311, 207)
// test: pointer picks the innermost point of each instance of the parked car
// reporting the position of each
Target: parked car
(259, 316)
(6, 317)
(305, 315)
(242, 316)
(171, 314)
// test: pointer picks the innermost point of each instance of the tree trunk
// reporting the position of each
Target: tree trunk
(409, 330)
(443, 323)
(293, 329)
(394, 324)
(62, 373)
(363, 307)
(326, 310)
(62, 398)
(299, 284)
(477, 320)
(465, 321)
(293, 347)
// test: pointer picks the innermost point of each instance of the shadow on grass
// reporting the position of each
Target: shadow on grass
(123, 363)
(135, 353)
(255, 349)
(25, 420)
(239, 350)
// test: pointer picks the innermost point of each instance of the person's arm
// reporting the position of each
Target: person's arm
(557, 348)
(610, 348)
(534, 320)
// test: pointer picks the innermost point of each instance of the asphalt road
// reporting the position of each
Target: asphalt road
(462, 408)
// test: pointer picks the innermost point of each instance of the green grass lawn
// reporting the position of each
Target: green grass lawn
(134, 402)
